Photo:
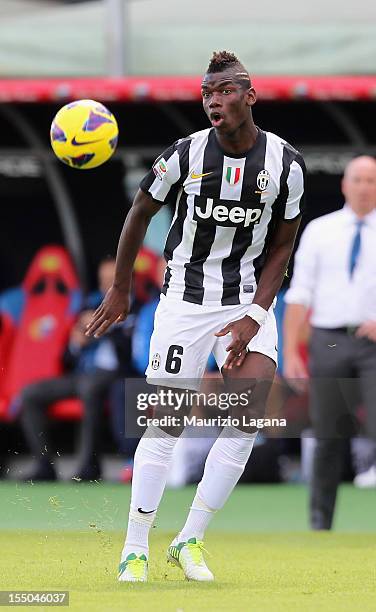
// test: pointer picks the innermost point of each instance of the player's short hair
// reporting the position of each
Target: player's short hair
(223, 60)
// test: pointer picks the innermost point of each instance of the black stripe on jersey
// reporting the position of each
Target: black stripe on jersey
(167, 278)
(183, 151)
(175, 233)
(255, 162)
(205, 234)
(259, 262)
(289, 155)
(279, 206)
(183, 147)
(175, 236)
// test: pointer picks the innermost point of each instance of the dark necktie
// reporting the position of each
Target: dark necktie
(355, 247)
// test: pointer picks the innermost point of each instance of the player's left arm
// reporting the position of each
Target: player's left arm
(271, 279)
(278, 257)
(279, 252)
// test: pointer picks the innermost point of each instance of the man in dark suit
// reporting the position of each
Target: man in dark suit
(335, 278)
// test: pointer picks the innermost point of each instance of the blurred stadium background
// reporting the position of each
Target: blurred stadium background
(313, 66)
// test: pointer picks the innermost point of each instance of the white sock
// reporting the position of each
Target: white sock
(197, 521)
(151, 464)
(224, 465)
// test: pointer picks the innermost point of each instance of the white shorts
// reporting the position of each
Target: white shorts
(183, 339)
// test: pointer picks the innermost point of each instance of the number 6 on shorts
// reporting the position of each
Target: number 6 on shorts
(173, 361)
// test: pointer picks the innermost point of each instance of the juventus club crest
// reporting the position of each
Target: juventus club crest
(263, 178)
(156, 361)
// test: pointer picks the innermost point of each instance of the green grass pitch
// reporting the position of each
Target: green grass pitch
(69, 537)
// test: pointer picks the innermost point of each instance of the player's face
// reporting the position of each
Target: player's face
(359, 185)
(226, 101)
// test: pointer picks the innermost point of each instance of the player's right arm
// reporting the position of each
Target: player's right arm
(116, 304)
(159, 187)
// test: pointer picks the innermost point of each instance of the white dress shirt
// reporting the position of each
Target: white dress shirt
(321, 279)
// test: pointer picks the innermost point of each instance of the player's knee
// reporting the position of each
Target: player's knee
(249, 418)
(170, 418)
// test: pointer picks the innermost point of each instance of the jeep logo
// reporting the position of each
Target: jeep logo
(227, 214)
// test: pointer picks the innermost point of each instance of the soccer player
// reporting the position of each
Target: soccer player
(237, 192)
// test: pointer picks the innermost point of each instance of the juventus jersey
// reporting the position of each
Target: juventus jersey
(225, 212)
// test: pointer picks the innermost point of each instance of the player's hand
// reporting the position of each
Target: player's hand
(367, 330)
(242, 331)
(114, 309)
(295, 372)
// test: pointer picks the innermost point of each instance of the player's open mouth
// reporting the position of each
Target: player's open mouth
(216, 119)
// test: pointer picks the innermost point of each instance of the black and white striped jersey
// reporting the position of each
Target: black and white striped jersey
(225, 211)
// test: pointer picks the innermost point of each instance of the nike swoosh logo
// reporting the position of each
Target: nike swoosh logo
(80, 144)
(144, 511)
(198, 176)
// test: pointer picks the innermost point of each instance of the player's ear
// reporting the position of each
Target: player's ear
(251, 96)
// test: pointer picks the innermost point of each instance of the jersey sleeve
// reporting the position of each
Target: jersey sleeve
(295, 189)
(165, 178)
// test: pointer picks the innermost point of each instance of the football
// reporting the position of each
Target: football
(84, 134)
